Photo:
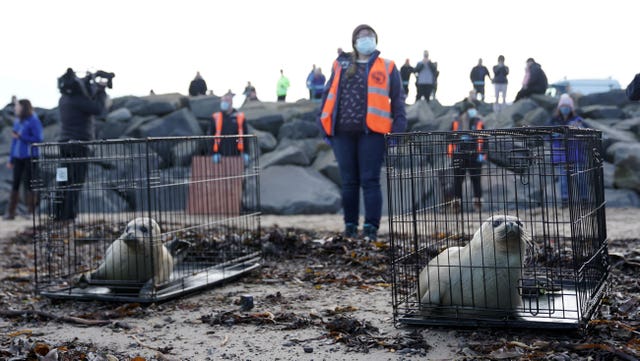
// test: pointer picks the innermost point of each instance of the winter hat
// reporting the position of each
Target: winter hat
(357, 30)
(565, 100)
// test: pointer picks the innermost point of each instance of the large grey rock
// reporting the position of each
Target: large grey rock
(546, 102)
(631, 125)
(514, 115)
(48, 116)
(627, 173)
(266, 141)
(298, 129)
(536, 117)
(420, 112)
(264, 116)
(616, 98)
(119, 116)
(133, 127)
(622, 150)
(310, 146)
(608, 171)
(286, 155)
(204, 106)
(300, 110)
(326, 164)
(601, 112)
(621, 198)
(610, 135)
(179, 123)
(297, 190)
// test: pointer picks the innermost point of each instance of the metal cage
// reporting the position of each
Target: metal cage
(144, 220)
(447, 270)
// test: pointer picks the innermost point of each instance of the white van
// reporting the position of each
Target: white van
(582, 86)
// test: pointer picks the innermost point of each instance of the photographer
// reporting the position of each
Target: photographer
(81, 100)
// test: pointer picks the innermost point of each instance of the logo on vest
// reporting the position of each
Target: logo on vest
(378, 77)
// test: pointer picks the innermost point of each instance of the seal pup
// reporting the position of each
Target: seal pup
(137, 255)
(484, 273)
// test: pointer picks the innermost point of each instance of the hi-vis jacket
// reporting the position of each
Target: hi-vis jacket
(465, 143)
(385, 96)
(217, 119)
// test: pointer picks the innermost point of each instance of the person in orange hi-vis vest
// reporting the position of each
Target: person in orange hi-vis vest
(362, 101)
(467, 153)
(228, 121)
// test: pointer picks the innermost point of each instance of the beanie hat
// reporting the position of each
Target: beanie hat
(358, 29)
(565, 100)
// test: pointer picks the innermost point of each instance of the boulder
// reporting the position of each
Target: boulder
(327, 165)
(610, 135)
(282, 156)
(298, 129)
(297, 190)
(616, 98)
(514, 115)
(204, 106)
(546, 102)
(310, 146)
(536, 117)
(301, 110)
(608, 171)
(48, 116)
(269, 123)
(133, 127)
(601, 112)
(51, 133)
(621, 198)
(120, 115)
(627, 173)
(631, 125)
(420, 113)
(179, 123)
(622, 150)
(266, 141)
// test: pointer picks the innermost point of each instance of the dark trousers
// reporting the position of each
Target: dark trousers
(479, 88)
(76, 164)
(525, 92)
(360, 159)
(281, 98)
(462, 166)
(21, 174)
(405, 87)
(424, 90)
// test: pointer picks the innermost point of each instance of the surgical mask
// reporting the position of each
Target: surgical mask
(565, 110)
(472, 113)
(366, 45)
(224, 106)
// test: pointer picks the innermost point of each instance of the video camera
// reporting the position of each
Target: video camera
(70, 84)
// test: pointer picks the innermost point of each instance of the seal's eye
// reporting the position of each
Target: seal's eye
(519, 223)
(143, 229)
(496, 223)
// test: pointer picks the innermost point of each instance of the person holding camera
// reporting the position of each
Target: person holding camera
(81, 100)
(27, 129)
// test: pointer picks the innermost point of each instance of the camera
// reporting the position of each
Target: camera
(70, 84)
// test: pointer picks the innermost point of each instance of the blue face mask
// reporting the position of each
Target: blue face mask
(565, 111)
(224, 106)
(366, 45)
(472, 113)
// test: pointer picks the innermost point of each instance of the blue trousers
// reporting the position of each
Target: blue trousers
(360, 159)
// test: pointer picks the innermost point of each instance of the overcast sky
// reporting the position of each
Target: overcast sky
(160, 45)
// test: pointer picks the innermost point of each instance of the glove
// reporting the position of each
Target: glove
(245, 157)
(481, 158)
(215, 158)
(327, 140)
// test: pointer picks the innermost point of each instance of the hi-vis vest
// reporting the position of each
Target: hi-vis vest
(217, 119)
(451, 148)
(378, 117)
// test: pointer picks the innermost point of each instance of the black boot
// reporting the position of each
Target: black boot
(32, 202)
(11, 207)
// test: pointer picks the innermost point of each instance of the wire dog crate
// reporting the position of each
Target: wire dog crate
(516, 239)
(144, 220)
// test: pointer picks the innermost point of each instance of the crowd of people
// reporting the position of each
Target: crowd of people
(363, 99)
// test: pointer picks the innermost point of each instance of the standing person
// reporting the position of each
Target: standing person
(566, 152)
(500, 72)
(466, 151)
(27, 129)
(282, 87)
(309, 79)
(427, 73)
(78, 107)
(317, 85)
(477, 75)
(405, 74)
(363, 101)
(197, 86)
(249, 93)
(228, 121)
(534, 82)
